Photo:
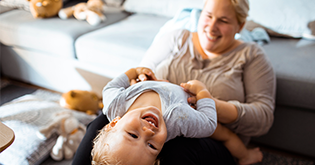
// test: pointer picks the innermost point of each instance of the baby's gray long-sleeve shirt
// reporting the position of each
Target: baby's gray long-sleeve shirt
(179, 117)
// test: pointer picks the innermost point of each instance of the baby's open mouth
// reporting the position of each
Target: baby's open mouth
(151, 119)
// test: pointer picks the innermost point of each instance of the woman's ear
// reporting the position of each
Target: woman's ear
(241, 27)
(112, 123)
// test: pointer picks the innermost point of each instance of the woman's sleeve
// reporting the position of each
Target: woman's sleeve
(255, 116)
(161, 48)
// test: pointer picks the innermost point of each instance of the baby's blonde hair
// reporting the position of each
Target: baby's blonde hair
(101, 150)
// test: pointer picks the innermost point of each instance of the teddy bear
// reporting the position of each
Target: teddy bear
(45, 8)
(70, 132)
(81, 100)
(91, 11)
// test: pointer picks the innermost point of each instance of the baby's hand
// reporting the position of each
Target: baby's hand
(193, 86)
(145, 74)
(140, 74)
(197, 88)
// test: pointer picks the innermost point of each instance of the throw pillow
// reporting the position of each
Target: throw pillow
(288, 17)
(167, 8)
(251, 25)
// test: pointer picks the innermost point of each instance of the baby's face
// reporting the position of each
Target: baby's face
(138, 137)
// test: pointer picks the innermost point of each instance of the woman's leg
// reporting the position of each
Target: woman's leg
(191, 151)
(83, 153)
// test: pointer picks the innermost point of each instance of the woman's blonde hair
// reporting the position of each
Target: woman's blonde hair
(241, 8)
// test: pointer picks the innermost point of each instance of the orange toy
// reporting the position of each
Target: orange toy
(84, 101)
(45, 8)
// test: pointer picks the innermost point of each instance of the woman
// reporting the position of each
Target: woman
(237, 74)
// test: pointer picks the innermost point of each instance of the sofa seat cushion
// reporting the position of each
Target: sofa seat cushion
(294, 63)
(51, 35)
(122, 45)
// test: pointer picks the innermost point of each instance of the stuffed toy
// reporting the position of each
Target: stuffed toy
(70, 132)
(91, 11)
(84, 101)
(45, 8)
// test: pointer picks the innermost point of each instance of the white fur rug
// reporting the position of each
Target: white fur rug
(25, 116)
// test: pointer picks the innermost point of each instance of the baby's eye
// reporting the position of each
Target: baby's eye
(133, 135)
(151, 146)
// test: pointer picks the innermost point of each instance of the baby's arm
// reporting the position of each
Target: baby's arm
(226, 111)
(236, 146)
(193, 123)
(197, 88)
(116, 86)
(199, 122)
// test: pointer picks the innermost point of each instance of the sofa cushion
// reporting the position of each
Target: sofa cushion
(167, 8)
(294, 63)
(52, 35)
(121, 45)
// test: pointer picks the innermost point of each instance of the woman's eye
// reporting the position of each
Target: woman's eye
(133, 135)
(224, 21)
(151, 146)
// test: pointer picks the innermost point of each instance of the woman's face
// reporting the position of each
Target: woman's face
(217, 26)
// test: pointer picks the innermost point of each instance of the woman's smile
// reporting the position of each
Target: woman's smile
(210, 37)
